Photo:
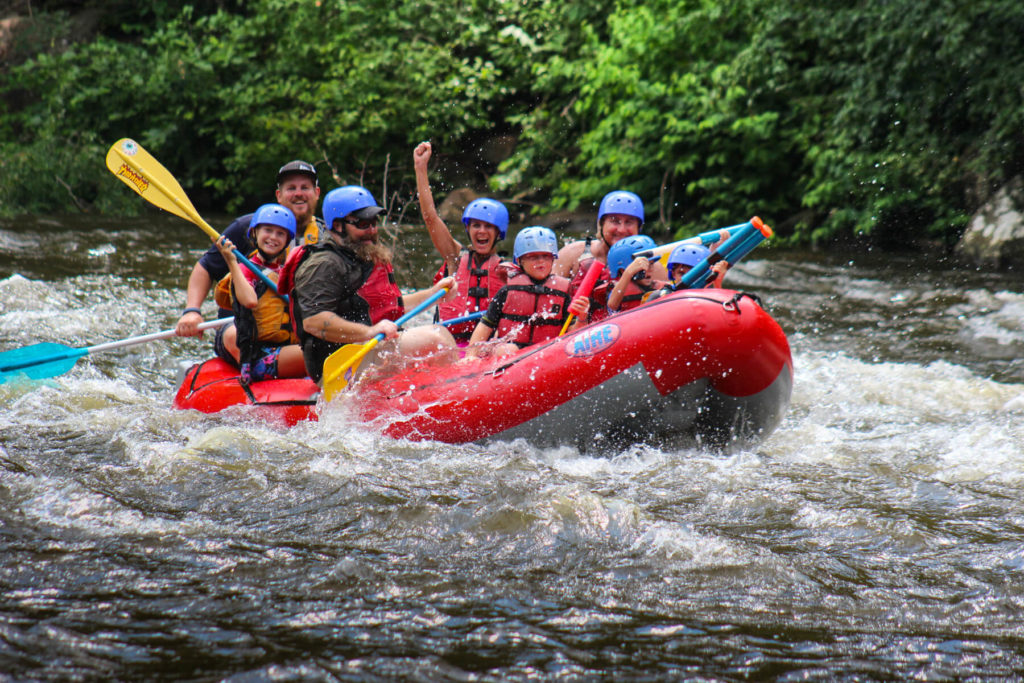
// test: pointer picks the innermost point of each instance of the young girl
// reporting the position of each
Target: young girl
(267, 345)
(534, 305)
(478, 269)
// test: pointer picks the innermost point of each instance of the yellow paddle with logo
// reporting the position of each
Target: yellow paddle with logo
(341, 365)
(137, 169)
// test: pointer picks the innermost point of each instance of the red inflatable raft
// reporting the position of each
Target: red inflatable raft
(702, 367)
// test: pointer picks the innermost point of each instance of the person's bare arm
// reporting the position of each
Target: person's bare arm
(617, 292)
(415, 298)
(481, 333)
(333, 328)
(568, 260)
(245, 293)
(199, 284)
(446, 245)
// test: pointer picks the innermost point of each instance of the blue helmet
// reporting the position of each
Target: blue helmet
(489, 211)
(621, 253)
(274, 214)
(624, 202)
(687, 255)
(532, 240)
(350, 199)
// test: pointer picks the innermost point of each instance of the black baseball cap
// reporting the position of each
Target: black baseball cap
(368, 212)
(297, 166)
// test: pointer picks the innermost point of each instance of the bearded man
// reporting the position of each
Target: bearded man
(344, 291)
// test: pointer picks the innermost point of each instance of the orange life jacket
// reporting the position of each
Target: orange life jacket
(269, 323)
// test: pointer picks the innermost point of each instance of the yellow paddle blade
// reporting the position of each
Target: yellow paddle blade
(341, 365)
(137, 169)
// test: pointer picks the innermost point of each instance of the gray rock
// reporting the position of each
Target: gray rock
(450, 210)
(995, 235)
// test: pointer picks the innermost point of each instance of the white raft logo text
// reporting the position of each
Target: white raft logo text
(593, 341)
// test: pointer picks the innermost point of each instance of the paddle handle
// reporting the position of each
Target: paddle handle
(735, 248)
(142, 339)
(586, 287)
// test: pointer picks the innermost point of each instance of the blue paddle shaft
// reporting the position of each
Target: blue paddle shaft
(735, 248)
(462, 319)
(705, 238)
(420, 307)
(258, 272)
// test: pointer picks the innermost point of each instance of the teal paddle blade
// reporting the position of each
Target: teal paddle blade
(38, 361)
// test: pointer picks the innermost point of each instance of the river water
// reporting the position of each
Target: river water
(878, 534)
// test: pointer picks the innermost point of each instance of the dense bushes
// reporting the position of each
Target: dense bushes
(894, 119)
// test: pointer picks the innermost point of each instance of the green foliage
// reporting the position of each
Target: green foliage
(893, 120)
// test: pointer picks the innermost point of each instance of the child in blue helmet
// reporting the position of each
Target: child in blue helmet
(631, 277)
(535, 303)
(684, 257)
(267, 345)
(477, 268)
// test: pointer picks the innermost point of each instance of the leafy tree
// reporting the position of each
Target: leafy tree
(893, 120)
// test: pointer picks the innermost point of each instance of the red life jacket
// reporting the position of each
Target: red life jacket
(382, 294)
(477, 286)
(534, 311)
(286, 276)
(598, 295)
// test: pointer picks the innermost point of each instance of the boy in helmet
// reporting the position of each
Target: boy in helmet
(478, 269)
(533, 306)
(684, 257)
(266, 341)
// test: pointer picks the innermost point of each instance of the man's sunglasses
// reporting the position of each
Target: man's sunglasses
(362, 224)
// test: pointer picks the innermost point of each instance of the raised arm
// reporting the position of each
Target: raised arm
(618, 292)
(446, 245)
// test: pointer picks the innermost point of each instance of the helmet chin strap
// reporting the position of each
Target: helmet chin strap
(269, 258)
